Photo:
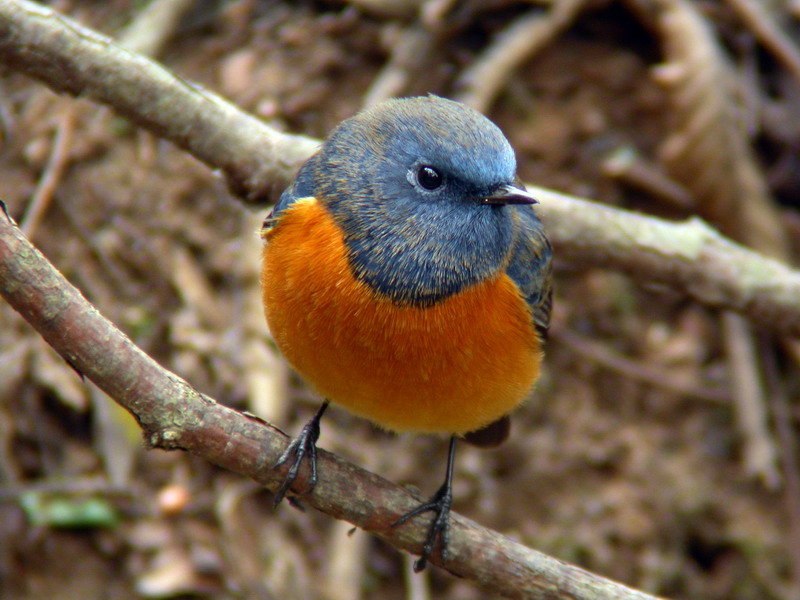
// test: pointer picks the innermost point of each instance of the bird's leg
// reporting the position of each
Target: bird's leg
(440, 504)
(303, 445)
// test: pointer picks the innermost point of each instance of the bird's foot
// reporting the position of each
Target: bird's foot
(304, 445)
(440, 527)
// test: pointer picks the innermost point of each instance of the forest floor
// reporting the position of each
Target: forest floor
(632, 459)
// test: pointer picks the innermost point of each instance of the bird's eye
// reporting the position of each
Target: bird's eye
(429, 178)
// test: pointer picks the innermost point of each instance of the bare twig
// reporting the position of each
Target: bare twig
(781, 411)
(153, 26)
(757, 16)
(607, 357)
(412, 47)
(56, 164)
(483, 81)
(174, 415)
(630, 168)
(760, 455)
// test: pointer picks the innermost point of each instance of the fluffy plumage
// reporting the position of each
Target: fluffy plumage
(419, 309)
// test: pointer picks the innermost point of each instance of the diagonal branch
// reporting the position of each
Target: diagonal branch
(259, 161)
(255, 159)
(174, 415)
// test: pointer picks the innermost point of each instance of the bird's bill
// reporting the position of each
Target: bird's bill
(510, 194)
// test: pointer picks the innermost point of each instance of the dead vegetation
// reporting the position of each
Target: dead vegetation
(659, 448)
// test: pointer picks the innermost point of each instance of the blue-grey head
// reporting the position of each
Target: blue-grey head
(422, 189)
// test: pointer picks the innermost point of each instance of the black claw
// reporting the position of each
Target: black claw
(440, 503)
(303, 445)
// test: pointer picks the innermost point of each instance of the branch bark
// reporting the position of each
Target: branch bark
(173, 415)
(256, 160)
(690, 256)
(259, 162)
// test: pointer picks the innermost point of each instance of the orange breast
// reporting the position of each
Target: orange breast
(450, 368)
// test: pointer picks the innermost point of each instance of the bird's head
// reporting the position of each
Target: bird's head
(424, 151)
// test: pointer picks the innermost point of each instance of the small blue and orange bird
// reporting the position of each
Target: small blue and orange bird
(406, 278)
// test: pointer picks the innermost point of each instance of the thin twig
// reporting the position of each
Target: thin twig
(781, 411)
(760, 452)
(51, 177)
(756, 15)
(611, 359)
(483, 81)
(153, 26)
(408, 52)
(626, 165)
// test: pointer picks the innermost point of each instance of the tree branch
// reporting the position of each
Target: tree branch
(259, 162)
(256, 160)
(174, 415)
(690, 256)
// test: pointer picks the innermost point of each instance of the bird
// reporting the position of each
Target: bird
(407, 278)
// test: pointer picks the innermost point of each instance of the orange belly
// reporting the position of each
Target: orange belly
(450, 368)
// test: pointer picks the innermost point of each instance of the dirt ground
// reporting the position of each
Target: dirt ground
(631, 459)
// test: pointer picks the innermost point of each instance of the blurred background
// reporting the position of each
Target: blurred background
(660, 447)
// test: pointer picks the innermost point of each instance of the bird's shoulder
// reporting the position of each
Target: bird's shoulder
(300, 189)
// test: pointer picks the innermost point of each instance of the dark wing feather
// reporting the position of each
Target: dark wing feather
(530, 266)
(301, 187)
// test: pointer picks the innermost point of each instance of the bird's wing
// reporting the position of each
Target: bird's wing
(530, 266)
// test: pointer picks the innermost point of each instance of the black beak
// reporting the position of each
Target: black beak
(510, 193)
